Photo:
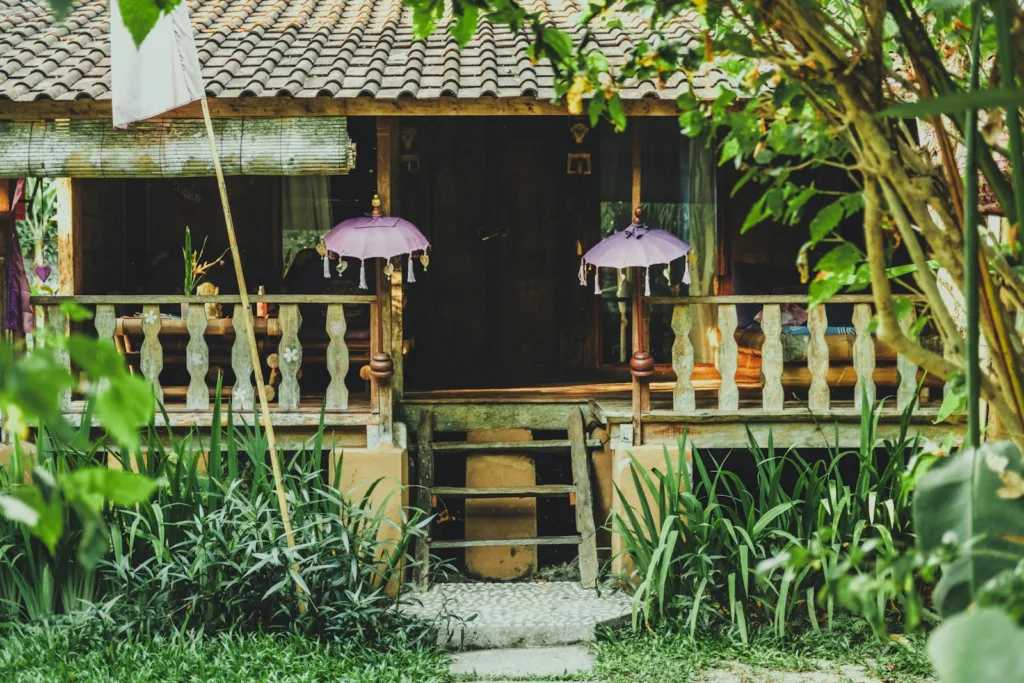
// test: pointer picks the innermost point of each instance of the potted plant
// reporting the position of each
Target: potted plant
(195, 268)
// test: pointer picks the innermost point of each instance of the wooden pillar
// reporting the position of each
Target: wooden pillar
(6, 205)
(641, 384)
(69, 242)
(387, 182)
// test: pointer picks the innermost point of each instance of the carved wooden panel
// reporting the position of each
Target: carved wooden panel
(863, 356)
(819, 396)
(337, 358)
(290, 357)
(728, 352)
(242, 394)
(151, 360)
(106, 322)
(684, 398)
(197, 359)
(772, 395)
(907, 389)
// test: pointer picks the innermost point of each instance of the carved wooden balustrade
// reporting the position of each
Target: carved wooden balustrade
(284, 340)
(902, 375)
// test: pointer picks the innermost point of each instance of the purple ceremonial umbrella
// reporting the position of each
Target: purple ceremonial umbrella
(635, 247)
(375, 236)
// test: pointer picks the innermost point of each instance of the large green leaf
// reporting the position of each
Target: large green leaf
(957, 502)
(980, 646)
(995, 98)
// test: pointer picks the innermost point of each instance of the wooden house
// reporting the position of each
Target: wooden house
(319, 105)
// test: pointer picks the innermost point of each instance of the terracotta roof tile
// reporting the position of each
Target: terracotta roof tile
(317, 48)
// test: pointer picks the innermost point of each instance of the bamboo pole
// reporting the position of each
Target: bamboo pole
(243, 292)
(971, 265)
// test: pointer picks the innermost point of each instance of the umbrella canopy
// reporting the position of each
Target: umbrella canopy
(635, 247)
(374, 236)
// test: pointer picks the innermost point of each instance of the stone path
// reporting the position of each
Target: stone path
(522, 662)
(473, 616)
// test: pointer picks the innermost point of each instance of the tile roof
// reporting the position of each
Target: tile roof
(313, 48)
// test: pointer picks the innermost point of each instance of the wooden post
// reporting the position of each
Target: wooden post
(69, 237)
(772, 360)
(641, 386)
(818, 396)
(6, 200)
(684, 397)
(387, 182)
(728, 352)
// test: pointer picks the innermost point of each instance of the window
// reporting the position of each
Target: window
(677, 195)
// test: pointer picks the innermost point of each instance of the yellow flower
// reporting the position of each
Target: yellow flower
(580, 86)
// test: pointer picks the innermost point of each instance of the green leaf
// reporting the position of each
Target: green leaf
(616, 112)
(836, 269)
(140, 16)
(983, 645)
(467, 17)
(691, 123)
(958, 513)
(122, 406)
(17, 510)
(43, 516)
(995, 98)
(955, 399)
(826, 221)
(105, 484)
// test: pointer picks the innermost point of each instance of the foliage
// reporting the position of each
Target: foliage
(972, 505)
(758, 556)
(195, 268)
(670, 656)
(208, 550)
(33, 383)
(37, 233)
(88, 651)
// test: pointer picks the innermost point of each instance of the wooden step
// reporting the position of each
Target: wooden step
(504, 491)
(544, 446)
(544, 540)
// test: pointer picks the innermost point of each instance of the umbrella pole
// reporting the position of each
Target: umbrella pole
(261, 387)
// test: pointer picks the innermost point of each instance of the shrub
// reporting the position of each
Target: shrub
(716, 549)
(208, 550)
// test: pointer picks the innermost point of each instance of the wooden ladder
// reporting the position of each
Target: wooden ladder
(577, 444)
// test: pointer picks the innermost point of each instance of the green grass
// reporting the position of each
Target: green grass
(674, 658)
(68, 654)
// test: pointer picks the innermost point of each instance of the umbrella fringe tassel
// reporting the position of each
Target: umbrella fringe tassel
(327, 268)
(412, 275)
(362, 275)
(597, 280)
(647, 281)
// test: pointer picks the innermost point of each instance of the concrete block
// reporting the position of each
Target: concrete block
(651, 457)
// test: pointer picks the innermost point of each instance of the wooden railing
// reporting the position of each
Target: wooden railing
(819, 393)
(119, 317)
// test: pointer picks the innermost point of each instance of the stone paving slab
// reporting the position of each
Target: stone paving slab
(473, 616)
(520, 662)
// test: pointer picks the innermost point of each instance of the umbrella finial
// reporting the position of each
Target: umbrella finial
(636, 215)
(375, 203)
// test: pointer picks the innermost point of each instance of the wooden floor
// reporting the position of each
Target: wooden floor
(359, 413)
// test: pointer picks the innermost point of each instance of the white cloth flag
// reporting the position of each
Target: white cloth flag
(161, 75)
